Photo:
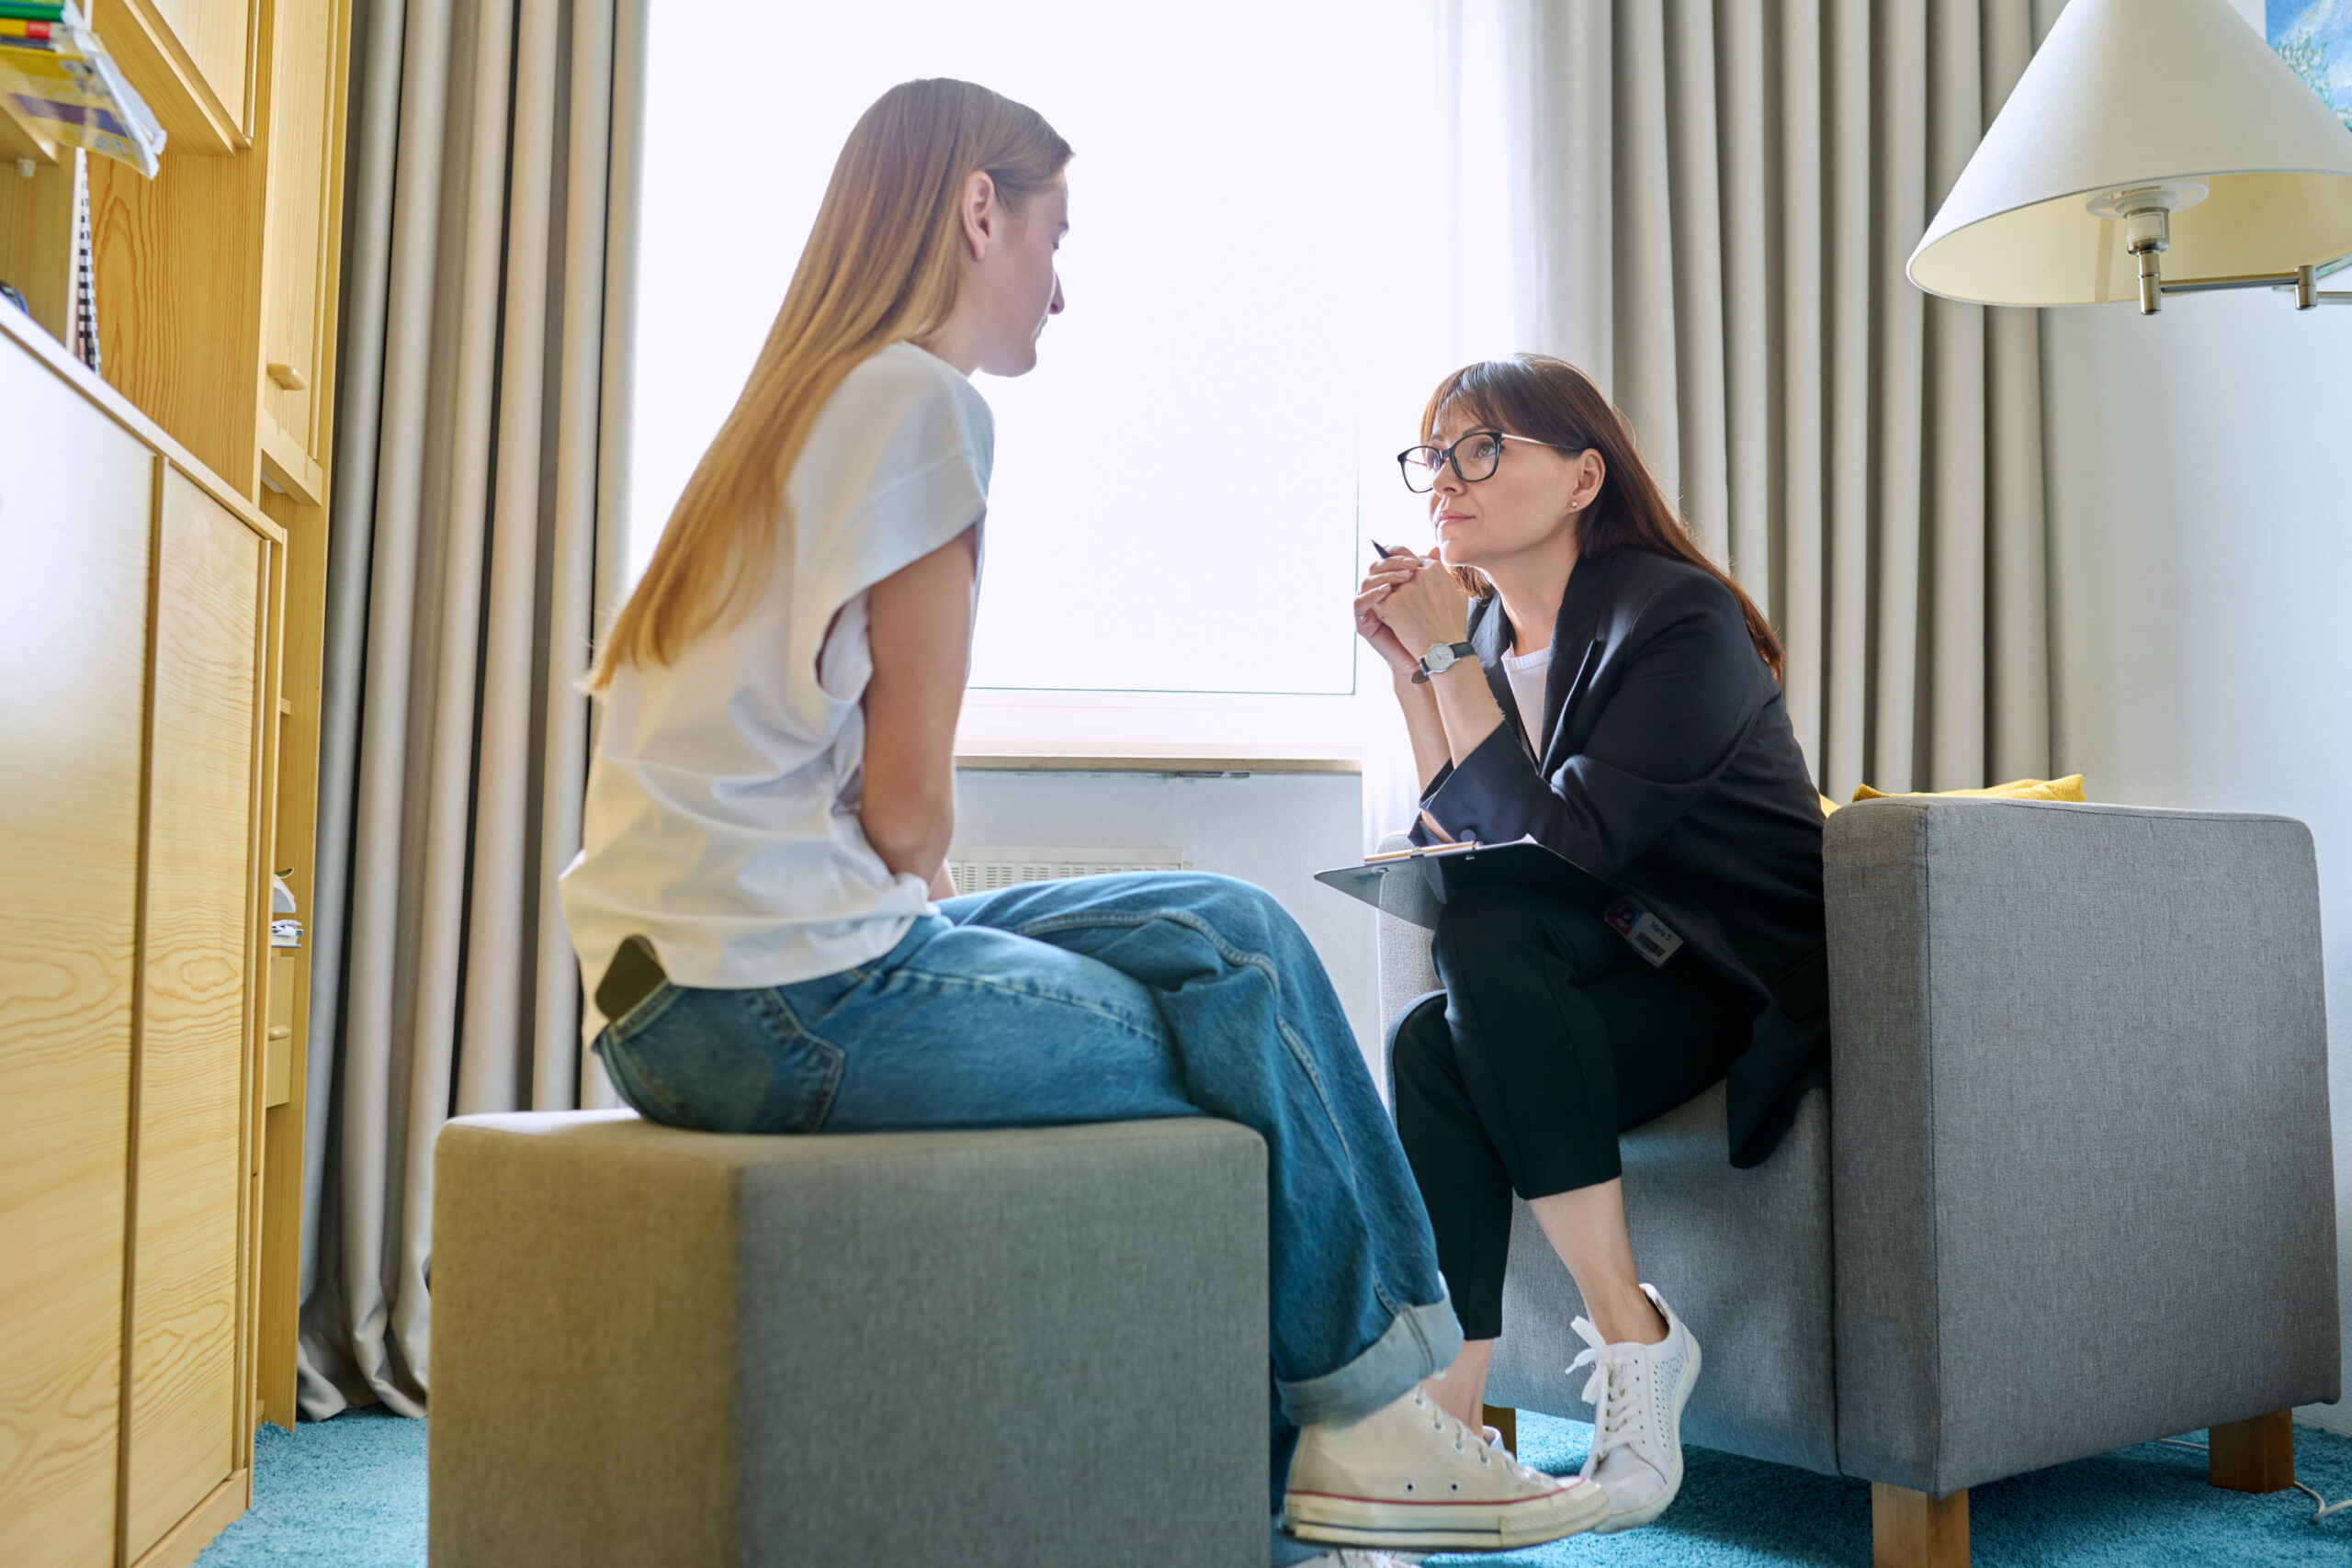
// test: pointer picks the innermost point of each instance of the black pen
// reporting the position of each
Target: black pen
(1385, 551)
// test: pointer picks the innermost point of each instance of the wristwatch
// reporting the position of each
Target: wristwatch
(1441, 658)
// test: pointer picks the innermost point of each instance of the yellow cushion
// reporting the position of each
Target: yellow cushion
(1827, 805)
(2068, 788)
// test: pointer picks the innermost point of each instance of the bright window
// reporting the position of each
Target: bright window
(1260, 283)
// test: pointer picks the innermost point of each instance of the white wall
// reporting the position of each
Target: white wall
(2200, 515)
(1275, 830)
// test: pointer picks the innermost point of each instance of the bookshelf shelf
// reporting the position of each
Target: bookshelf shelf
(37, 239)
(217, 281)
(19, 140)
(185, 94)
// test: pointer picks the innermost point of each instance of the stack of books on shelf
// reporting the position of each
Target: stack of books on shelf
(62, 84)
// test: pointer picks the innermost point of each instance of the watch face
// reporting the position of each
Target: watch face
(1438, 659)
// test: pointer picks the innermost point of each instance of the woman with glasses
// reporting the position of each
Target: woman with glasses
(762, 906)
(1572, 667)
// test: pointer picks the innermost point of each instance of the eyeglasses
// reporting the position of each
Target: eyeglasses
(1471, 458)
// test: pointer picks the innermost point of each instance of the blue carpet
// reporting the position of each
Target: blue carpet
(350, 1491)
(2130, 1508)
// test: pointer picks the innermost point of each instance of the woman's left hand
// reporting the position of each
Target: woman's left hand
(1426, 608)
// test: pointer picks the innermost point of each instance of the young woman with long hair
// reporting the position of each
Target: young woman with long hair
(1571, 667)
(761, 908)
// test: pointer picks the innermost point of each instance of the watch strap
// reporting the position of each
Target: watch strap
(1461, 650)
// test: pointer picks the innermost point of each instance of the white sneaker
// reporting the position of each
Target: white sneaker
(1637, 1393)
(1353, 1558)
(1409, 1476)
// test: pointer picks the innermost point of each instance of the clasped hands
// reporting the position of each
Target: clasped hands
(1408, 605)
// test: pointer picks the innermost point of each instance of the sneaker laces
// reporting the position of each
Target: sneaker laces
(1439, 1420)
(1615, 1411)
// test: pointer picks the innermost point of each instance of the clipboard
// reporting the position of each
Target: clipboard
(1521, 862)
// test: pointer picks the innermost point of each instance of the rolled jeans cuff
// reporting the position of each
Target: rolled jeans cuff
(1422, 1342)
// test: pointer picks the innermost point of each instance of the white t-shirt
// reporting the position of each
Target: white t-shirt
(721, 817)
(1528, 672)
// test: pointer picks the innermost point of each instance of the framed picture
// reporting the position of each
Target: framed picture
(2314, 38)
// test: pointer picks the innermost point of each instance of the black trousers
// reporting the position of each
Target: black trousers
(1551, 1037)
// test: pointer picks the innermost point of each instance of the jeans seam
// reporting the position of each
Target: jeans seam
(834, 1056)
(1241, 958)
(621, 1067)
(1061, 999)
(1184, 918)
(1412, 1320)
(650, 1007)
(774, 998)
(1315, 1080)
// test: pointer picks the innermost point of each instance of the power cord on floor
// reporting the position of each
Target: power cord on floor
(2318, 1513)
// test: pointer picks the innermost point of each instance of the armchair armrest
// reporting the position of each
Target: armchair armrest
(2082, 1181)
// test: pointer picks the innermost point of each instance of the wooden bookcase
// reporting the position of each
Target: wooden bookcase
(172, 507)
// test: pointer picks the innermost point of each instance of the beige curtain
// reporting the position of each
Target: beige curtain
(1711, 203)
(476, 529)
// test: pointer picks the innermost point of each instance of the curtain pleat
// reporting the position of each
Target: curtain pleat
(571, 588)
(625, 185)
(495, 1009)
(373, 142)
(1695, 188)
(1564, 227)
(1866, 460)
(1647, 353)
(1899, 158)
(1846, 147)
(1954, 588)
(2018, 672)
(1742, 151)
(354, 1228)
(463, 569)
(1799, 250)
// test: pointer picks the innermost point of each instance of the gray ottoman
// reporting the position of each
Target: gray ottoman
(1030, 1347)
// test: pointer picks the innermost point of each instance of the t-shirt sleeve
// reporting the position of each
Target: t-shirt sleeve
(896, 469)
(901, 470)
(901, 522)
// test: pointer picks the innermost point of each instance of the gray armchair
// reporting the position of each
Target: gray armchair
(2071, 1189)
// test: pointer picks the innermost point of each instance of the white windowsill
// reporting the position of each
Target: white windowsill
(1156, 759)
(1169, 733)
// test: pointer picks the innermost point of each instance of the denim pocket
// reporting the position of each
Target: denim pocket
(722, 1062)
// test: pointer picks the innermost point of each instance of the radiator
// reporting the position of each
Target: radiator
(982, 868)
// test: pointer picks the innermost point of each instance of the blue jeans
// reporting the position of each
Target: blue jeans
(1105, 998)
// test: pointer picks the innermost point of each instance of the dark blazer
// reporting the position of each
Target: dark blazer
(1671, 773)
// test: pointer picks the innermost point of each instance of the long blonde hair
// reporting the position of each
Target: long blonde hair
(882, 266)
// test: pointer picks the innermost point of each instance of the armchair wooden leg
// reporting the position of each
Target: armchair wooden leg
(2255, 1456)
(1505, 1419)
(1911, 1529)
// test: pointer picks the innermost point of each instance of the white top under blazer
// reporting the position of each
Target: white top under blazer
(721, 817)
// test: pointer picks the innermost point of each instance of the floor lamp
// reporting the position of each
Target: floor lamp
(2152, 147)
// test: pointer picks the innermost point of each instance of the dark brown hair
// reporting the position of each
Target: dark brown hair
(1551, 401)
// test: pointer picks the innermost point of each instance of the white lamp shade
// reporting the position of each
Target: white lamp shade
(2128, 93)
